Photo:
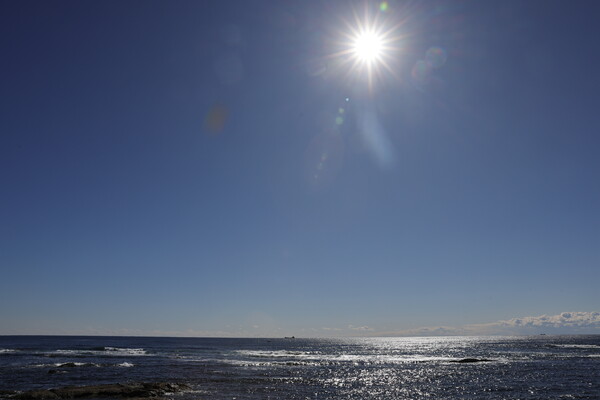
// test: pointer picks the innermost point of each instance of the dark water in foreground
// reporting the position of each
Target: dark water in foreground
(543, 367)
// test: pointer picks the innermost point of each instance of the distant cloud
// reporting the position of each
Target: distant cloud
(563, 323)
(569, 322)
(564, 319)
(360, 328)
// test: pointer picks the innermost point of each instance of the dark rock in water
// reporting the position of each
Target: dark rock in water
(68, 365)
(73, 365)
(470, 360)
(118, 390)
(56, 371)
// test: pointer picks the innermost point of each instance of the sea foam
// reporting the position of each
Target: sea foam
(125, 365)
(101, 352)
(576, 346)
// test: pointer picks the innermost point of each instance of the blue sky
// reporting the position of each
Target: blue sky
(218, 169)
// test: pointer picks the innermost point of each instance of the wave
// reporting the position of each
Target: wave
(66, 365)
(291, 358)
(125, 365)
(576, 346)
(99, 352)
(126, 350)
(388, 359)
(274, 354)
(92, 351)
(75, 364)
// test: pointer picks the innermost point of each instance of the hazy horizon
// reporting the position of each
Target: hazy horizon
(574, 323)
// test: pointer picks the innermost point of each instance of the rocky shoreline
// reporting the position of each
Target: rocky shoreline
(154, 390)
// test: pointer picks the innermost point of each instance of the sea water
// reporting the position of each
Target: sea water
(541, 367)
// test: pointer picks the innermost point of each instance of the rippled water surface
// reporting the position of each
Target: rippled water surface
(543, 367)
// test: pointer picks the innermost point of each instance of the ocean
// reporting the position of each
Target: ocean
(540, 367)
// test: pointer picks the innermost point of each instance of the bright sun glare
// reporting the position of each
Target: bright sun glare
(368, 47)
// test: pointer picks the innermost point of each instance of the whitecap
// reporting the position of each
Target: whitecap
(66, 365)
(275, 354)
(72, 353)
(75, 364)
(126, 350)
(125, 365)
(106, 351)
(577, 346)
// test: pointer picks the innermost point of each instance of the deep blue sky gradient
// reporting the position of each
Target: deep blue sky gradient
(122, 211)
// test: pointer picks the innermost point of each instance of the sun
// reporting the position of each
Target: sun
(368, 47)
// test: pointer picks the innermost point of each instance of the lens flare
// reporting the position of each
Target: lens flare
(216, 118)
